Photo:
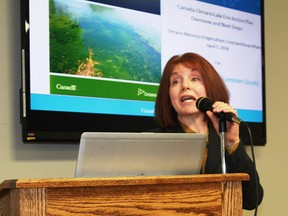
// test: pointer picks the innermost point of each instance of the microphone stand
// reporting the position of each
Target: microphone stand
(222, 130)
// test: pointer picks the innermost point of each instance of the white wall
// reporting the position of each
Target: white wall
(16, 159)
(40, 161)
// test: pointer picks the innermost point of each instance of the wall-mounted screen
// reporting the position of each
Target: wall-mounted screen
(96, 65)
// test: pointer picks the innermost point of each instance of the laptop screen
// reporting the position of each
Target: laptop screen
(110, 154)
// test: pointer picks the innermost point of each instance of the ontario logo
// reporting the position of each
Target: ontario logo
(146, 94)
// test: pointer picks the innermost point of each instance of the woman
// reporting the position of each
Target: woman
(186, 78)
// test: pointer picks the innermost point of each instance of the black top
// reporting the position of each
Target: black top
(237, 162)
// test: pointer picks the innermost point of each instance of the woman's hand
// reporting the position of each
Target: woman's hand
(232, 134)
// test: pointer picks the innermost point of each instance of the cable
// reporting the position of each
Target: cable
(254, 163)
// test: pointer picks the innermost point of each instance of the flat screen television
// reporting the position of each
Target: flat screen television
(96, 65)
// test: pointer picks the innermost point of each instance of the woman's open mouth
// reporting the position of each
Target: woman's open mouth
(187, 98)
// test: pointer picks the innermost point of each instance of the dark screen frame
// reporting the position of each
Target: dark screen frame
(67, 127)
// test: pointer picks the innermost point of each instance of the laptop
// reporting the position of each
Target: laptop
(111, 154)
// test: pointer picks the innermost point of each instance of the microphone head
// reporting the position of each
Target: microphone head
(204, 104)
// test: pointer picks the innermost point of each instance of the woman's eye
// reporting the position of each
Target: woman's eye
(174, 82)
(195, 79)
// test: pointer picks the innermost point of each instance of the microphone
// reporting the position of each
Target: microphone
(204, 104)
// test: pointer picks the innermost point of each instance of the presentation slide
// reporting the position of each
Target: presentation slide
(91, 57)
(230, 39)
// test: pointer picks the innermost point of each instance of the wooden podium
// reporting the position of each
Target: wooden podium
(163, 195)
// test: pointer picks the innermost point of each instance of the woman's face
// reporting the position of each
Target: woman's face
(186, 86)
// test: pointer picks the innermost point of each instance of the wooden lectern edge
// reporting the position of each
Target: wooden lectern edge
(217, 194)
(139, 180)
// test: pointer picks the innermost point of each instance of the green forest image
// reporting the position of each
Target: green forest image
(97, 41)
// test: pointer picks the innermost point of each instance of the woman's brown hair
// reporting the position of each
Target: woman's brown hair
(216, 90)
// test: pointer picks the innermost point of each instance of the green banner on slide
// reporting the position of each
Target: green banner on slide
(79, 86)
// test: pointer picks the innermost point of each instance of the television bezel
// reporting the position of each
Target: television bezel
(59, 127)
